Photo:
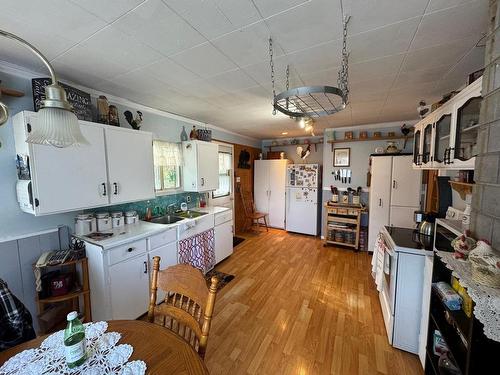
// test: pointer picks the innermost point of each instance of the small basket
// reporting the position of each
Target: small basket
(485, 265)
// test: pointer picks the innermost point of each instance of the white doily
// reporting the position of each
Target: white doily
(487, 308)
(104, 356)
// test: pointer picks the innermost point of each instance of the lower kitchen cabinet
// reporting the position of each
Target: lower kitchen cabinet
(129, 287)
(223, 241)
(168, 255)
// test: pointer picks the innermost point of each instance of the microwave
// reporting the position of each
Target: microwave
(446, 231)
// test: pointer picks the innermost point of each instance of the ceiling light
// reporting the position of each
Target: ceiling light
(284, 133)
(57, 124)
(308, 128)
(302, 123)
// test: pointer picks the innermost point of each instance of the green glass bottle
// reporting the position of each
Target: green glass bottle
(74, 341)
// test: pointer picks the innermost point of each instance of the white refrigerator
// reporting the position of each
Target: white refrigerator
(302, 198)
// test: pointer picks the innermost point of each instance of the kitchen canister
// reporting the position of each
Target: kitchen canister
(117, 219)
(85, 224)
(103, 221)
(131, 217)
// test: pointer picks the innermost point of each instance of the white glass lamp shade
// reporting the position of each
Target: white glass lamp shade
(56, 127)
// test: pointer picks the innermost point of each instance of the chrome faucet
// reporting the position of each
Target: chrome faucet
(169, 211)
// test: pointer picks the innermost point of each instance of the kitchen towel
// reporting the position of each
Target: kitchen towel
(199, 251)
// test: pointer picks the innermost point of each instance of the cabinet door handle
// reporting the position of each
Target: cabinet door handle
(394, 184)
(380, 202)
(145, 267)
(130, 249)
(115, 188)
(104, 192)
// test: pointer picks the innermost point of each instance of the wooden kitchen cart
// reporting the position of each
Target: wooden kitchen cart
(342, 224)
(52, 310)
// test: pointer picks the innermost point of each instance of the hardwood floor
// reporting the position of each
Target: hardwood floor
(296, 307)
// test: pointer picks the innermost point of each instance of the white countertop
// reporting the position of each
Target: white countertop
(143, 229)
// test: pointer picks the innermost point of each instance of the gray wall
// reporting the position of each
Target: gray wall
(18, 257)
(485, 218)
(13, 222)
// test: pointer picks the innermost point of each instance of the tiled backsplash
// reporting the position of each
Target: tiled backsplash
(158, 204)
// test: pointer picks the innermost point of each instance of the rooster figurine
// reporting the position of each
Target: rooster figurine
(134, 122)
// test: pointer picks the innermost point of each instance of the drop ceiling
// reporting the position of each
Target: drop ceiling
(208, 59)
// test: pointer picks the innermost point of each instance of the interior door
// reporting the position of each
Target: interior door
(277, 182)
(71, 178)
(130, 165)
(129, 286)
(380, 193)
(406, 182)
(223, 196)
(261, 185)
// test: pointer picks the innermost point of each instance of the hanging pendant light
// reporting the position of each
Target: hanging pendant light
(313, 101)
(57, 124)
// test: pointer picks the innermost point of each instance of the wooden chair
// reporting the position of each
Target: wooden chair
(188, 306)
(251, 214)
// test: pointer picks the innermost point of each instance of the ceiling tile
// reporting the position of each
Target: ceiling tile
(309, 24)
(239, 12)
(416, 77)
(108, 10)
(52, 26)
(261, 72)
(248, 45)
(427, 58)
(378, 67)
(384, 41)
(231, 81)
(159, 27)
(109, 53)
(369, 14)
(204, 60)
(322, 57)
(171, 73)
(435, 5)
(201, 89)
(203, 15)
(268, 8)
(465, 21)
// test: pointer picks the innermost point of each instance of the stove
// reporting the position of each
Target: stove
(404, 238)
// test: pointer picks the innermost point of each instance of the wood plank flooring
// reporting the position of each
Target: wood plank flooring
(296, 307)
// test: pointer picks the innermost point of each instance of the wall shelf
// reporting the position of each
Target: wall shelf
(270, 147)
(462, 188)
(386, 138)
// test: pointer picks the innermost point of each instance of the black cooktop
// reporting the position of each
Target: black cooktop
(410, 238)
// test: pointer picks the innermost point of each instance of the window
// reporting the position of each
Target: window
(225, 161)
(167, 165)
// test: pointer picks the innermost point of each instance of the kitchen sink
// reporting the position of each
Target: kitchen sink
(166, 219)
(190, 214)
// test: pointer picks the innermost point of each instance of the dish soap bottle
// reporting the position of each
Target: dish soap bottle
(74, 341)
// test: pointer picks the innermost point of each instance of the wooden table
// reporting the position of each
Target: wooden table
(163, 351)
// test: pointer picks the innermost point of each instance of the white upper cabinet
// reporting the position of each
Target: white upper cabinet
(130, 165)
(64, 179)
(447, 138)
(201, 166)
(116, 166)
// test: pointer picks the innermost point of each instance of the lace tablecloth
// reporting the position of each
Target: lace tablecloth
(487, 308)
(104, 356)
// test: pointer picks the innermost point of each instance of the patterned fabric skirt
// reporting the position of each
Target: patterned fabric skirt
(199, 251)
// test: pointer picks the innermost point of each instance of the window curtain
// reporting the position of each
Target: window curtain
(167, 159)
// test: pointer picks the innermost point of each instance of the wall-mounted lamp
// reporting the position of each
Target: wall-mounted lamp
(57, 124)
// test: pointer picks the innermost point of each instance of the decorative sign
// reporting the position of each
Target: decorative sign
(79, 100)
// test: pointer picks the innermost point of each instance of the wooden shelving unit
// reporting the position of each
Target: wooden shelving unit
(462, 188)
(343, 220)
(70, 300)
(469, 348)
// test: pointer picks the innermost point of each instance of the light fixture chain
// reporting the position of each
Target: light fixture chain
(271, 63)
(287, 77)
(343, 77)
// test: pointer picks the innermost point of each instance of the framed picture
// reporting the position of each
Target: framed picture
(341, 157)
